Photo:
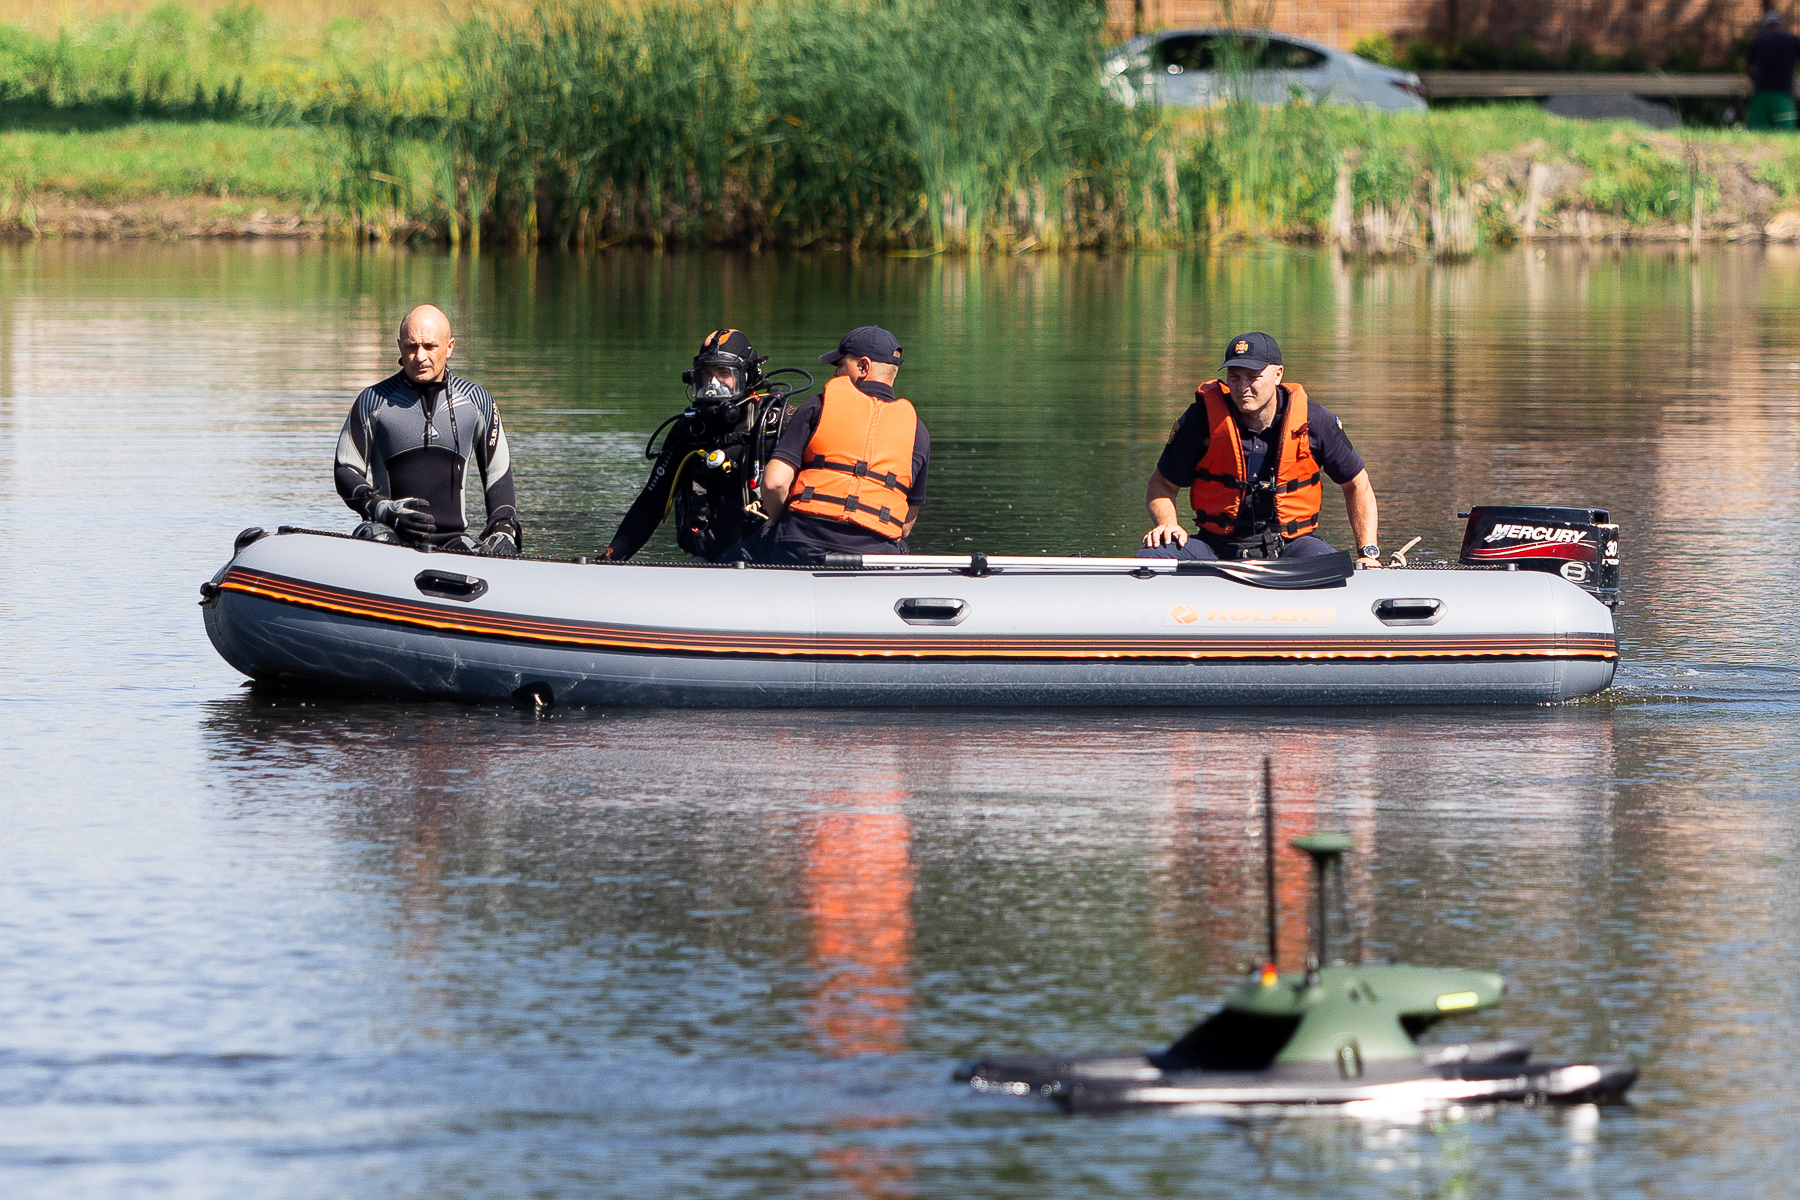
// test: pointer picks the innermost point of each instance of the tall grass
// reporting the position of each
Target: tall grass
(913, 126)
(919, 125)
(1301, 171)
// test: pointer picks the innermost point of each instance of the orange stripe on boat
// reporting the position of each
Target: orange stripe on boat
(606, 637)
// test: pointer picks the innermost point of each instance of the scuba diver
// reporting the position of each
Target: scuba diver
(710, 464)
(406, 446)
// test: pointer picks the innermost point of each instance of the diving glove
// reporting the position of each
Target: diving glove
(502, 537)
(410, 515)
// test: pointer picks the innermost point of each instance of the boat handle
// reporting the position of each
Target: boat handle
(932, 610)
(1409, 610)
(450, 585)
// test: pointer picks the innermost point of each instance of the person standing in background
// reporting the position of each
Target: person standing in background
(1769, 61)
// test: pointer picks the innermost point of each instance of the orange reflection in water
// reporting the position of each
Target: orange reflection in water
(859, 884)
(1213, 833)
(873, 1172)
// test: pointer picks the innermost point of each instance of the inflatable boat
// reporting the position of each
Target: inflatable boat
(325, 610)
(1340, 1035)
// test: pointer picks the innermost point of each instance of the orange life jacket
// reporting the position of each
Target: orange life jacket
(1220, 490)
(858, 464)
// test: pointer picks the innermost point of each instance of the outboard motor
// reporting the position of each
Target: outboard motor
(1580, 544)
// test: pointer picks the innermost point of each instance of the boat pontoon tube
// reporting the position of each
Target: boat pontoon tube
(327, 610)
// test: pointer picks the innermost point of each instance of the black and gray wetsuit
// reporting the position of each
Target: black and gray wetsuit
(404, 439)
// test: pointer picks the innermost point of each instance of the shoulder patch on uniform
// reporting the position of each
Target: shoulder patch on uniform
(1175, 428)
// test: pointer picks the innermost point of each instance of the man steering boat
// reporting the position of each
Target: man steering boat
(1252, 451)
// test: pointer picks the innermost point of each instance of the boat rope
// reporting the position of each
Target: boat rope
(1399, 556)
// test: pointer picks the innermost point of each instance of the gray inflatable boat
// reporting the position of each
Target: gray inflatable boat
(325, 610)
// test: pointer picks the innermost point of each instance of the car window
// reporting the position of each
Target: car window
(1232, 55)
(1183, 53)
(1186, 52)
(1278, 55)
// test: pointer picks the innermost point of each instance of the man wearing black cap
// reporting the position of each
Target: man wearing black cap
(848, 475)
(1251, 453)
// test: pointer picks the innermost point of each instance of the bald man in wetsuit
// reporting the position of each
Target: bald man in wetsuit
(406, 445)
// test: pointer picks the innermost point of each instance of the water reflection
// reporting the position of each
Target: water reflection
(378, 948)
(874, 1173)
(552, 890)
(859, 895)
(1008, 853)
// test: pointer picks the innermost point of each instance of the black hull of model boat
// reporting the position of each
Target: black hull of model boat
(1469, 1073)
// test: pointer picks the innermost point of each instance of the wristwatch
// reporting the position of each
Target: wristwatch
(1369, 551)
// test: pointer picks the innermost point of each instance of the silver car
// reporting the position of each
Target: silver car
(1196, 68)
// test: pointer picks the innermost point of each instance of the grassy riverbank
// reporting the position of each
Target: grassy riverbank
(910, 126)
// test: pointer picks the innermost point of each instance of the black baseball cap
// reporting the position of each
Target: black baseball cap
(867, 341)
(1253, 350)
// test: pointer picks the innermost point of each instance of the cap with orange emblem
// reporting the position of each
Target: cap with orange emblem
(1252, 350)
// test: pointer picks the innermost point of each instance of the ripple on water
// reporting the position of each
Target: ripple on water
(301, 946)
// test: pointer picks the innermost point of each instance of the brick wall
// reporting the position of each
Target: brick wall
(1607, 26)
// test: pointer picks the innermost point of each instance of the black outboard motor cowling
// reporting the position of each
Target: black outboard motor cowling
(1580, 544)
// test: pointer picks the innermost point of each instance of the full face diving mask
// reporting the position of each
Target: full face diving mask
(716, 383)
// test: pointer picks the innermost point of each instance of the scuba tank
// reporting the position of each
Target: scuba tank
(714, 494)
(714, 501)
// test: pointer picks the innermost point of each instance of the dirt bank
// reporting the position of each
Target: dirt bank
(1538, 194)
(162, 218)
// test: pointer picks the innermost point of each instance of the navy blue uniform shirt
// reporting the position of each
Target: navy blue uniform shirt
(1326, 438)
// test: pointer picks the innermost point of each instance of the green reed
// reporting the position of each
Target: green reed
(912, 126)
(906, 124)
(1307, 172)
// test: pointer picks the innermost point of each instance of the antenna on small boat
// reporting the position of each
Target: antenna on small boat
(1272, 968)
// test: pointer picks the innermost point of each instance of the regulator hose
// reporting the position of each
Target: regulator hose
(675, 482)
(650, 450)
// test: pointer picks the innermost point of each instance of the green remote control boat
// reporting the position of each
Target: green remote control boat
(1339, 1034)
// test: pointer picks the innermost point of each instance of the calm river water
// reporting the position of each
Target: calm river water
(273, 947)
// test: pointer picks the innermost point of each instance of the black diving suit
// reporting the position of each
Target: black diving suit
(404, 439)
(713, 507)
